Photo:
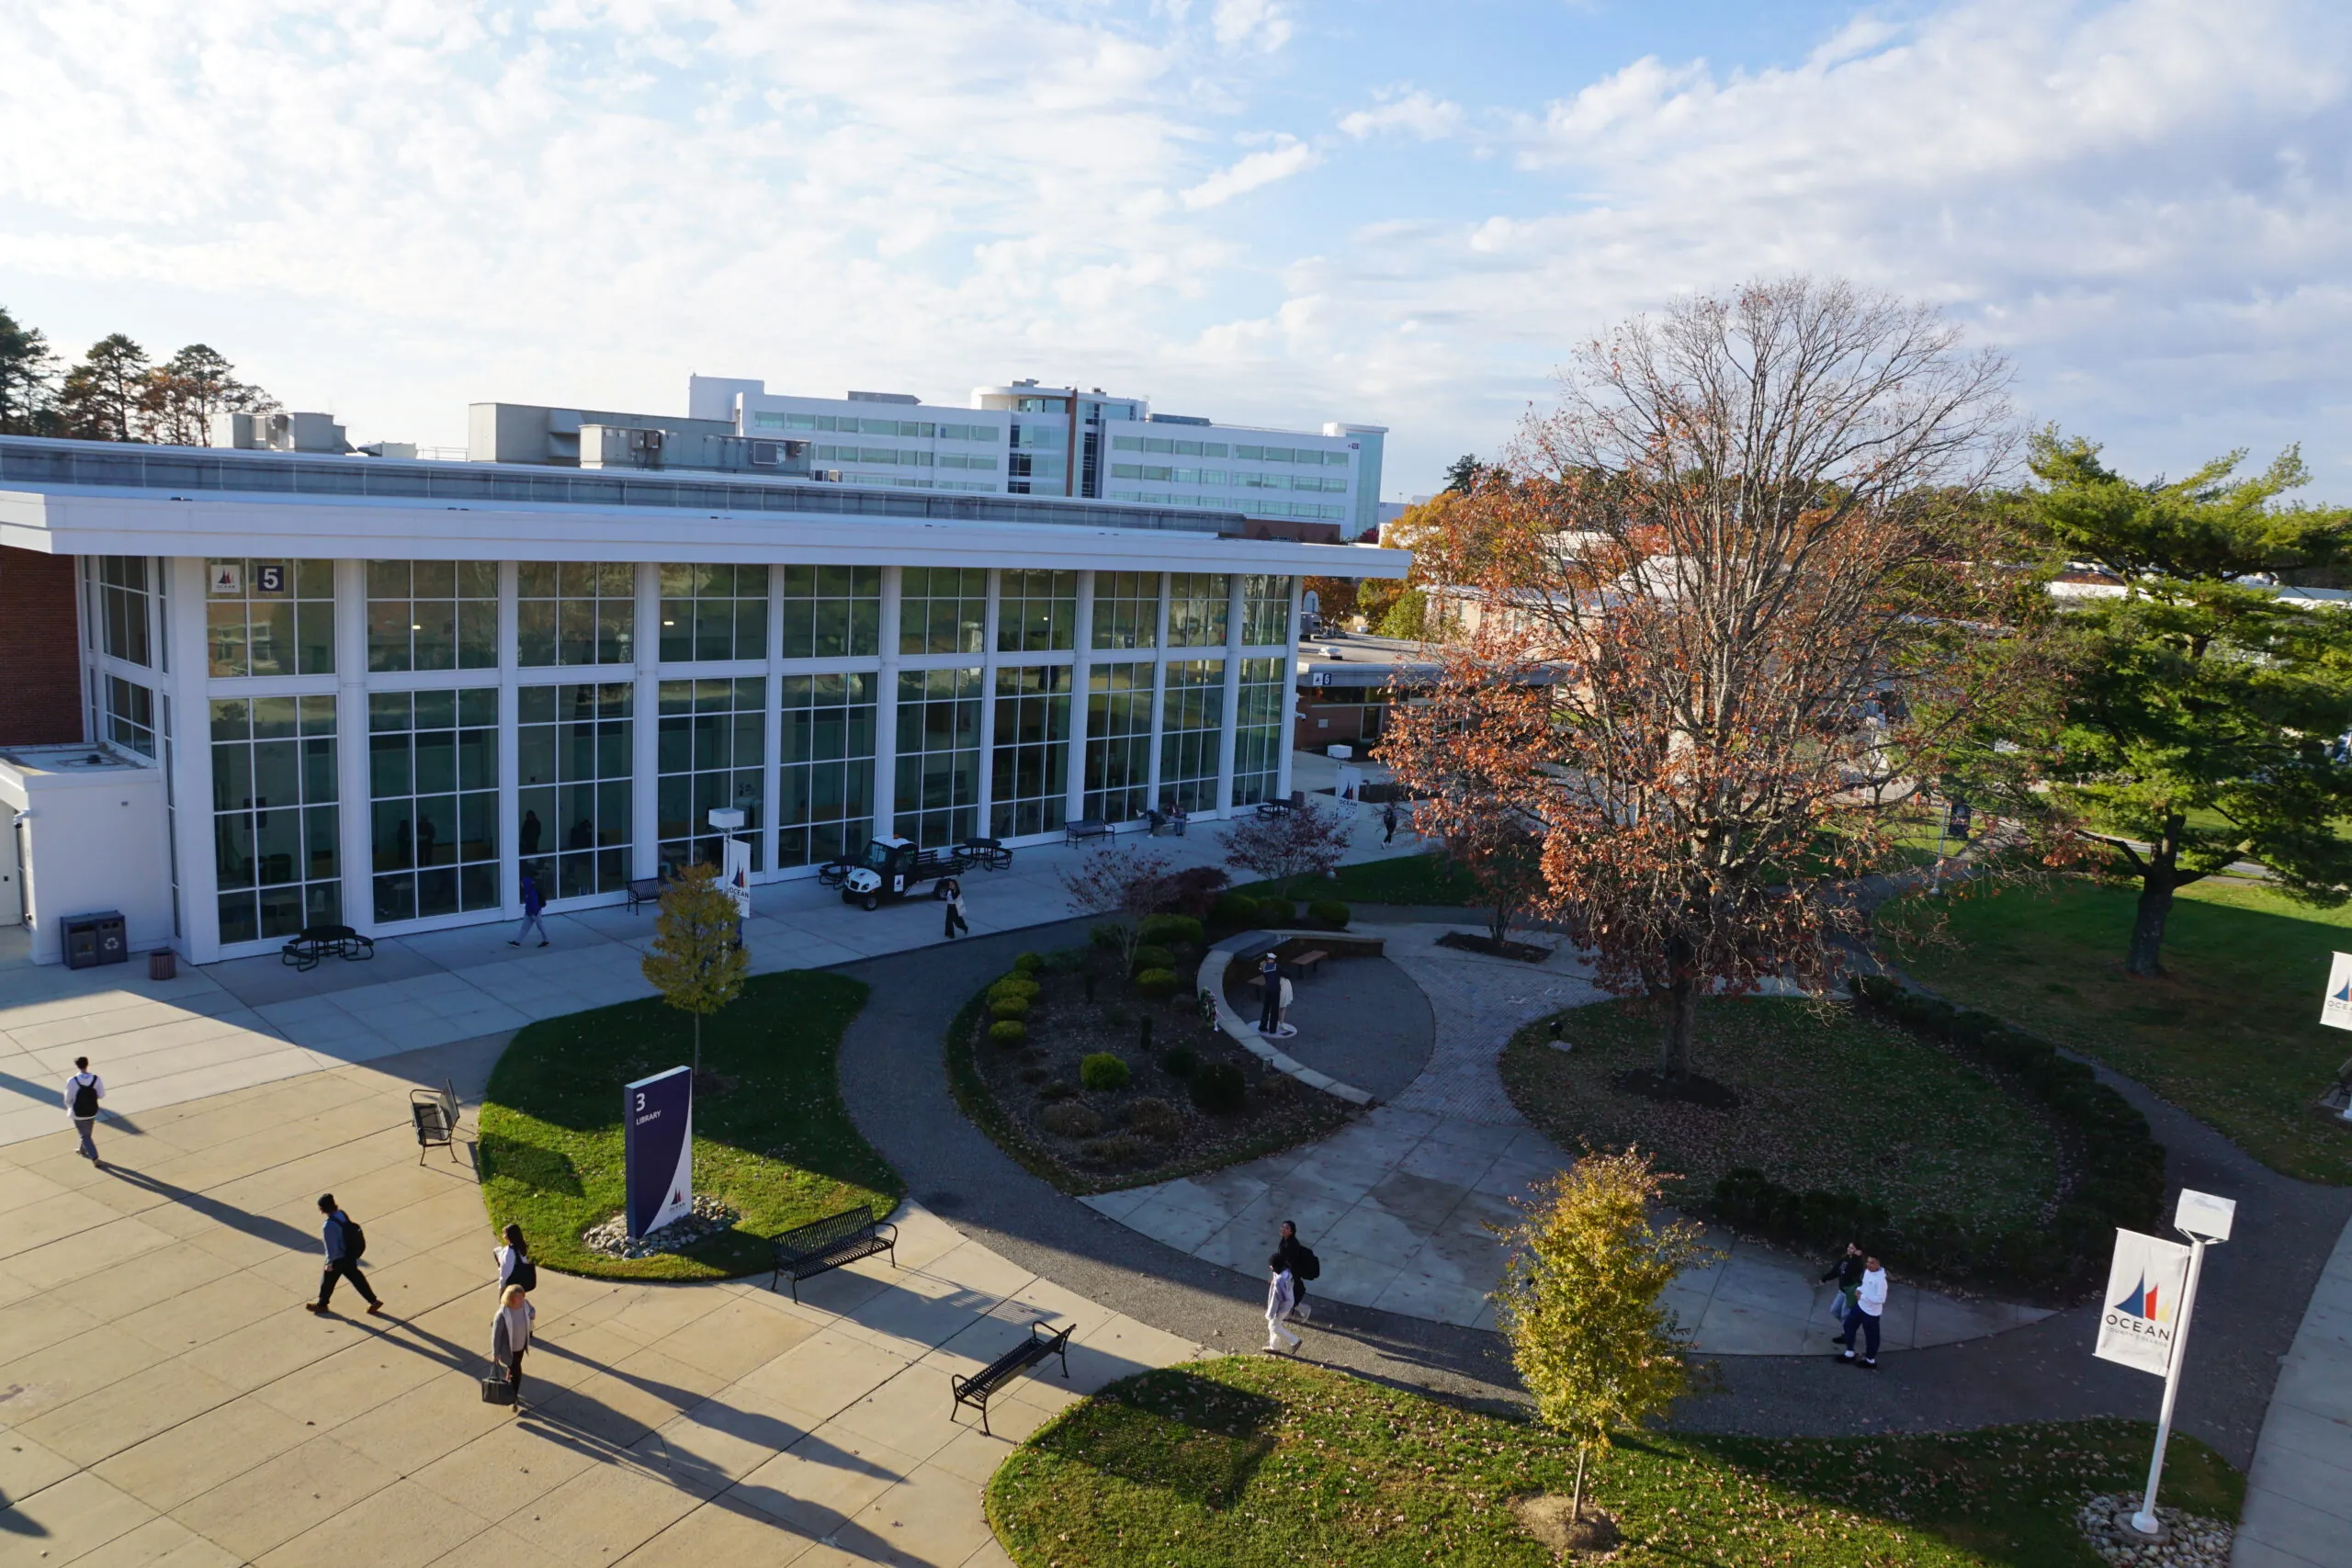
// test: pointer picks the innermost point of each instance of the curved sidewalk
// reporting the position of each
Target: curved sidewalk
(1400, 1203)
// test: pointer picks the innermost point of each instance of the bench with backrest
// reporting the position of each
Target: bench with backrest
(1085, 828)
(976, 1390)
(830, 1242)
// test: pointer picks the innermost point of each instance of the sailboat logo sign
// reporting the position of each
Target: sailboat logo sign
(2143, 1290)
(2335, 1008)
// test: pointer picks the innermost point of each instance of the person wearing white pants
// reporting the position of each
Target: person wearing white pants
(1282, 1297)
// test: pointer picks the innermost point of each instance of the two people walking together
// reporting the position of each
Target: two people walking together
(1861, 1302)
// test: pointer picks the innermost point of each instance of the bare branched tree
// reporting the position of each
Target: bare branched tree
(1733, 592)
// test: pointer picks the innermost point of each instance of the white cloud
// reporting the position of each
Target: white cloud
(1251, 171)
(1258, 24)
(1415, 113)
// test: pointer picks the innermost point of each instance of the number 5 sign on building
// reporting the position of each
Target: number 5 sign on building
(2143, 1321)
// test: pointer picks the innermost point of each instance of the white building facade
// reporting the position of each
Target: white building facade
(379, 693)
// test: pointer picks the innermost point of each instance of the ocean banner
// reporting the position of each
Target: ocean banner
(2139, 1322)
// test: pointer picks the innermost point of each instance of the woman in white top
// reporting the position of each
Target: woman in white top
(510, 1336)
(1282, 1296)
(514, 1258)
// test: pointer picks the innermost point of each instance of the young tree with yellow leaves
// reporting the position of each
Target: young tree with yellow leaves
(698, 962)
(1579, 1303)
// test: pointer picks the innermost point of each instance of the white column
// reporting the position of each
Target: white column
(354, 812)
(772, 748)
(1081, 658)
(646, 756)
(1159, 699)
(886, 704)
(1282, 741)
(509, 751)
(987, 703)
(191, 781)
(1232, 717)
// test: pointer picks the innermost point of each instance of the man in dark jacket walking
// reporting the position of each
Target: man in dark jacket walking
(343, 1258)
(1848, 1272)
(1291, 1254)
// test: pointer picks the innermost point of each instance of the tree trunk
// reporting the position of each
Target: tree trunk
(697, 1069)
(1575, 1499)
(1499, 924)
(2157, 880)
(1682, 1024)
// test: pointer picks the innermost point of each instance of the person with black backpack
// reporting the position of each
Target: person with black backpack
(515, 1264)
(345, 1245)
(1298, 1259)
(83, 1092)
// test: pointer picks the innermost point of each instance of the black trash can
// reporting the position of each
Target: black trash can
(95, 939)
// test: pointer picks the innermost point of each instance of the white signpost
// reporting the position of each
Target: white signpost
(2151, 1291)
(2336, 1009)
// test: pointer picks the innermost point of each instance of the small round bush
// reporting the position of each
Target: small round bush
(1219, 1089)
(1119, 1148)
(1178, 1061)
(1029, 962)
(1008, 1032)
(1061, 1089)
(1013, 985)
(1157, 984)
(1070, 1121)
(1154, 1118)
(1009, 1006)
(1103, 1071)
(1172, 930)
(1276, 911)
(1234, 910)
(1279, 1088)
(1149, 957)
(1330, 911)
(1106, 933)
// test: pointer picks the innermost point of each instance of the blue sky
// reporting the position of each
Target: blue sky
(1272, 210)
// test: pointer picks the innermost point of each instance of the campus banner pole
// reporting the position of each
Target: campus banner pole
(2144, 1521)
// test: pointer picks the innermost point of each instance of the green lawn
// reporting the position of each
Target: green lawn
(1399, 877)
(2231, 1034)
(1266, 1464)
(1830, 1101)
(777, 1143)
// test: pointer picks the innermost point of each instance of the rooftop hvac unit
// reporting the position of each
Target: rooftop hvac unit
(766, 454)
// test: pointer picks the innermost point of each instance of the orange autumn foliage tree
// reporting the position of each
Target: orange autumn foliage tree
(1737, 594)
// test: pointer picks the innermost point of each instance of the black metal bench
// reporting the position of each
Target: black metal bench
(830, 1242)
(646, 890)
(1296, 802)
(975, 1390)
(435, 1112)
(989, 854)
(1085, 828)
(318, 942)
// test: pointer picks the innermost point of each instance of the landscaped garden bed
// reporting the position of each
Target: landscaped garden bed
(1096, 1080)
(1262, 1462)
(772, 1138)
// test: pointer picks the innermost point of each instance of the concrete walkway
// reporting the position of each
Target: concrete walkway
(1400, 1204)
(2299, 1491)
(165, 1401)
(253, 1021)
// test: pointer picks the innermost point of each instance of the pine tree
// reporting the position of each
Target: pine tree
(101, 397)
(26, 371)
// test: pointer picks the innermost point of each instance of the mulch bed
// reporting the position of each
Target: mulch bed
(1147, 1130)
(1526, 953)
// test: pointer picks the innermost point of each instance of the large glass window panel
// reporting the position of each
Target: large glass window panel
(276, 858)
(1197, 605)
(825, 808)
(709, 738)
(1118, 741)
(269, 617)
(124, 588)
(713, 611)
(1036, 612)
(1126, 609)
(938, 786)
(431, 614)
(1030, 768)
(573, 780)
(832, 612)
(1265, 611)
(575, 613)
(130, 710)
(433, 801)
(1192, 713)
(1258, 736)
(942, 609)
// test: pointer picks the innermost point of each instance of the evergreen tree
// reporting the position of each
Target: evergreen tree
(102, 397)
(27, 369)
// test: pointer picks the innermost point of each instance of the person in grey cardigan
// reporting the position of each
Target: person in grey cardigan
(510, 1336)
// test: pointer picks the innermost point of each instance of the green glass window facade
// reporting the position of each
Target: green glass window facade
(274, 817)
(1265, 611)
(714, 613)
(1028, 791)
(431, 614)
(1192, 712)
(125, 585)
(938, 787)
(1126, 609)
(832, 612)
(942, 609)
(269, 617)
(433, 801)
(573, 798)
(709, 743)
(1198, 603)
(1036, 612)
(1118, 741)
(570, 613)
(1258, 731)
(825, 792)
(128, 711)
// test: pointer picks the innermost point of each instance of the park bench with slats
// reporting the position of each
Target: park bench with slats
(830, 1242)
(976, 1390)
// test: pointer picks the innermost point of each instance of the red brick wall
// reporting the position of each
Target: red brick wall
(41, 682)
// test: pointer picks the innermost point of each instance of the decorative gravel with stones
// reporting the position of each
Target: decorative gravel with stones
(2190, 1542)
(1032, 1097)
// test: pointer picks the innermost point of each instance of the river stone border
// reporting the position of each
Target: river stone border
(1211, 983)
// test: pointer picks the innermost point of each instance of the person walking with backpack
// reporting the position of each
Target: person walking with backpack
(1848, 1272)
(956, 920)
(1298, 1257)
(533, 902)
(515, 1264)
(345, 1245)
(83, 1092)
(510, 1336)
(1870, 1305)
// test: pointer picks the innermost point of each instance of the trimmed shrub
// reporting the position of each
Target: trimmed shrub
(1061, 1089)
(1008, 1032)
(1276, 912)
(1149, 957)
(1154, 1118)
(1178, 1061)
(1103, 1072)
(1119, 1148)
(1009, 1006)
(1015, 986)
(1071, 1120)
(1331, 912)
(1029, 962)
(1171, 930)
(1106, 933)
(1219, 1089)
(1234, 910)
(1157, 984)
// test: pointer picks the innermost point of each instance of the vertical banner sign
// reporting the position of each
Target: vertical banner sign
(736, 876)
(2335, 1009)
(658, 1149)
(2146, 1284)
